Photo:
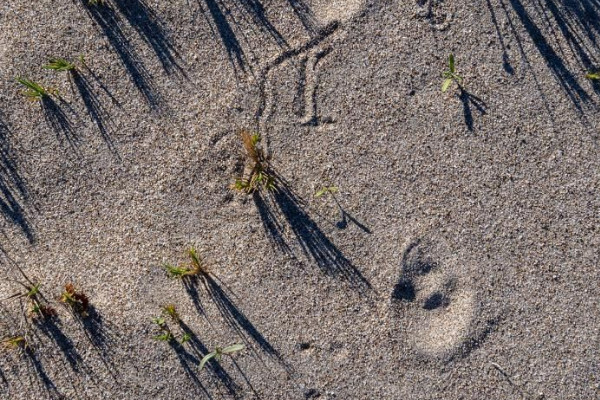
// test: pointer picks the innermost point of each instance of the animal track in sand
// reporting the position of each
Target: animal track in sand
(429, 9)
(333, 16)
(436, 304)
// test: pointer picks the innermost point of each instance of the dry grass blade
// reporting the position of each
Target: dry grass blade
(250, 142)
(257, 173)
(77, 301)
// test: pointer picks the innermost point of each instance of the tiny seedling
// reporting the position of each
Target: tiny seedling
(219, 351)
(59, 64)
(77, 301)
(166, 335)
(195, 267)
(15, 342)
(594, 76)
(450, 74)
(36, 309)
(185, 338)
(325, 190)
(34, 90)
(96, 2)
(258, 176)
(171, 311)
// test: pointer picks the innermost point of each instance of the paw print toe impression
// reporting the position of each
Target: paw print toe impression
(436, 306)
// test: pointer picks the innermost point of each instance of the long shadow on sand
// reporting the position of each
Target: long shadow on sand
(189, 363)
(111, 25)
(93, 105)
(56, 113)
(151, 29)
(243, 25)
(51, 328)
(230, 312)
(13, 191)
(198, 351)
(102, 337)
(281, 208)
(550, 24)
(49, 386)
(469, 101)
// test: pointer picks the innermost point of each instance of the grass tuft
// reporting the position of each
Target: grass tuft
(59, 64)
(195, 267)
(78, 302)
(34, 90)
(258, 177)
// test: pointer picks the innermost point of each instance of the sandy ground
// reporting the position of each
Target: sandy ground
(458, 260)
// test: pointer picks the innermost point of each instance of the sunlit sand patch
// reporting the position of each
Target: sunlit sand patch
(337, 10)
(442, 330)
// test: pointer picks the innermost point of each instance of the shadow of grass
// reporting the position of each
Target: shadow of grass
(51, 328)
(94, 108)
(49, 386)
(150, 28)
(469, 100)
(212, 366)
(189, 364)
(110, 24)
(550, 24)
(59, 121)
(230, 312)
(282, 208)
(13, 191)
(233, 22)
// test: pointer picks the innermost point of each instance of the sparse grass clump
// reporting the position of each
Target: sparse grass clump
(258, 175)
(34, 91)
(38, 311)
(37, 307)
(325, 190)
(195, 267)
(15, 342)
(171, 311)
(78, 302)
(59, 64)
(450, 74)
(219, 351)
(166, 334)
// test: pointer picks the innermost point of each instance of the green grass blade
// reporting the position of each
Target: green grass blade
(59, 64)
(593, 75)
(446, 84)
(451, 62)
(207, 358)
(233, 348)
(35, 90)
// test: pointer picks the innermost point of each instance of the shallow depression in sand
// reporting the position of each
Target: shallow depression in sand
(439, 332)
(436, 304)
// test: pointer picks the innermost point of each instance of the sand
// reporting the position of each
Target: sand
(458, 258)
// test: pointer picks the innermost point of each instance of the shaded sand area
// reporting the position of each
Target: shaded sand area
(458, 258)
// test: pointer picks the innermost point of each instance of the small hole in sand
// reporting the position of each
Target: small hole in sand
(404, 290)
(436, 300)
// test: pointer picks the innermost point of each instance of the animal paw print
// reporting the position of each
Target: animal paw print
(429, 9)
(436, 304)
